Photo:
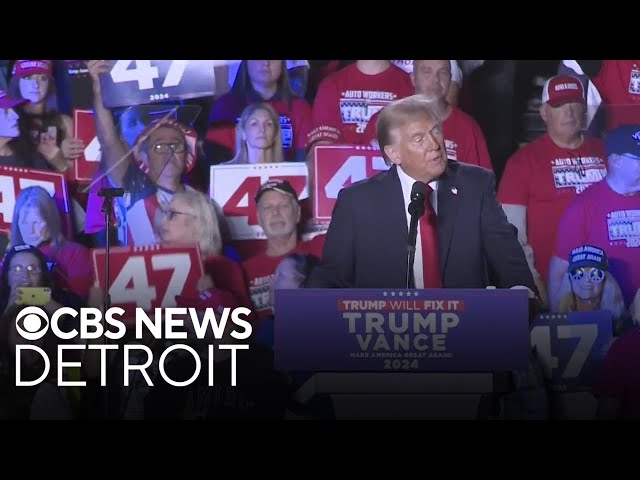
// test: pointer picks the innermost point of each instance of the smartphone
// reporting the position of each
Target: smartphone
(38, 296)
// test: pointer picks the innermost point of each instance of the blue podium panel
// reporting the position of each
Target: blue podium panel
(362, 330)
(571, 347)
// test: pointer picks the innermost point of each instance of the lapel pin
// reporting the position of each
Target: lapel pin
(454, 190)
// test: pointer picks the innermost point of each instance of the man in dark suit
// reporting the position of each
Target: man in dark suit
(366, 244)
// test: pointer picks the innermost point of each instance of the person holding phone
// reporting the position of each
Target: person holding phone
(25, 280)
(36, 222)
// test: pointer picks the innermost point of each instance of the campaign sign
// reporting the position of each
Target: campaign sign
(84, 128)
(373, 330)
(137, 82)
(149, 277)
(338, 166)
(14, 179)
(571, 347)
(233, 188)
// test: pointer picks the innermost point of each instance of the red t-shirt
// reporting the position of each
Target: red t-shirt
(260, 270)
(619, 85)
(295, 122)
(463, 139)
(545, 178)
(347, 99)
(619, 375)
(73, 270)
(605, 219)
(228, 275)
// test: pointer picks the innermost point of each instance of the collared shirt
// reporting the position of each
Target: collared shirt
(407, 184)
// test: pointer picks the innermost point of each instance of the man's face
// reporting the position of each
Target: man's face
(628, 167)
(565, 121)
(166, 153)
(278, 213)
(419, 149)
(432, 78)
(9, 123)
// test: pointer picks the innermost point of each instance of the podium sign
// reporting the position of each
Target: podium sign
(371, 330)
(571, 347)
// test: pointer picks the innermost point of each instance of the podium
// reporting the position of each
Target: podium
(404, 354)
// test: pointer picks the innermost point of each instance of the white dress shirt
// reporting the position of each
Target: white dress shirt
(407, 184)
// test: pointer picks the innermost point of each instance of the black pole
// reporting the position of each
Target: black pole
(107, 208)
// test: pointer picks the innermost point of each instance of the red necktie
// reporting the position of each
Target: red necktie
(429, 238)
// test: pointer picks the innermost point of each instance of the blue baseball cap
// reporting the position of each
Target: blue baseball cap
(624, 139)
(587, 256)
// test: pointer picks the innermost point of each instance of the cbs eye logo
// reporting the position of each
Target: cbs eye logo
(35, 323)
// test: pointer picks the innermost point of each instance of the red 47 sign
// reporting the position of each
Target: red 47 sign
(149, 277)
(13, 180)
(338, 166)
(84, 128)
(234, 187)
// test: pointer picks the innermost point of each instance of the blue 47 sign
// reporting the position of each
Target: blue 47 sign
(571, 347)
(138, 82)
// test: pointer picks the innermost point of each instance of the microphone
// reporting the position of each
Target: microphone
(418, 194)
(111, 192)
(416, 209)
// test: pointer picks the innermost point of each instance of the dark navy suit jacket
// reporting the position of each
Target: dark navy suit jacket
(366, 244)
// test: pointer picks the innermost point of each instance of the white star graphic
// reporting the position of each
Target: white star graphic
(385, 294)
(401, 294)
(393, 294)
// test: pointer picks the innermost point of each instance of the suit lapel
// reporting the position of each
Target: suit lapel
(393, 203)
(448, 201)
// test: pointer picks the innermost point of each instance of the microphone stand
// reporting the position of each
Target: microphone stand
(411, 247)
(416, 210)
(107, 207)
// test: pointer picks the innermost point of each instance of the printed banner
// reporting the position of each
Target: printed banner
(571, 347)
(14, 179)
(338, 166)
(137, 82)
(149, 277)
(233, 188)
(367, 330)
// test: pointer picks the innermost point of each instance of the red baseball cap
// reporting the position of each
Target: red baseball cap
(8, 102)
(24, 68)
(563, 89)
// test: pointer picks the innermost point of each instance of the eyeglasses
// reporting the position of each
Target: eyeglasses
(172, 213)
(30, 269)
(175, 147)
(596, 275)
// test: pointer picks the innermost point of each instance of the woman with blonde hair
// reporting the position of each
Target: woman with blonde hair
(589, 286)
(258, 136)
(191, 217)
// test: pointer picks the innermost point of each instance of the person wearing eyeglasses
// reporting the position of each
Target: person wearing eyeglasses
(544, 176)
(606, 214)
(36, 222)
(191, 218)
(26, 266)
(151, 173)
(588, 285)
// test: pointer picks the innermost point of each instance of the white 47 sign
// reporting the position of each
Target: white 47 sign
(137, 82)
(143, 73)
